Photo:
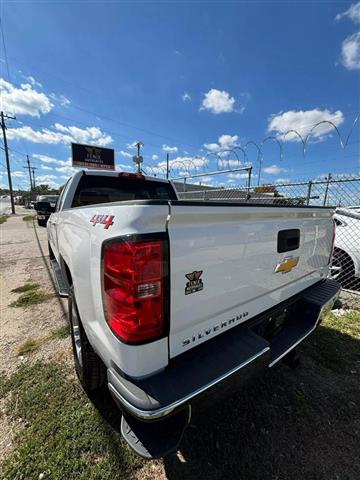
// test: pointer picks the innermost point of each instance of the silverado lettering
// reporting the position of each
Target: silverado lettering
(215, 328)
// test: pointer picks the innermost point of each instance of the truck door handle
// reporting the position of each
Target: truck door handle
(288, 240)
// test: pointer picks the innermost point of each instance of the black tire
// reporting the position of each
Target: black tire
(89, 368)
(41, 223)
(342, 267)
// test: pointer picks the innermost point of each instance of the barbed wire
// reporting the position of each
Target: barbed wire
(227, 158)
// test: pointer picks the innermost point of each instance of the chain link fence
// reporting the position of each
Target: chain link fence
(342, 193)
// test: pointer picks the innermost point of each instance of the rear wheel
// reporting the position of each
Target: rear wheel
(342, 267)
(41, 223)
(89, 367)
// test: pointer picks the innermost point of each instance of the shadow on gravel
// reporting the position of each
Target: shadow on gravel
(44, 257)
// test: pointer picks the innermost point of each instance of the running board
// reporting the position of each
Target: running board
(59, 282)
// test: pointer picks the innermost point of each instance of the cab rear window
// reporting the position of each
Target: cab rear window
(93, 189)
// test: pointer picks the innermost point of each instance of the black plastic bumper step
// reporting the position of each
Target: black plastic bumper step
(155, 440)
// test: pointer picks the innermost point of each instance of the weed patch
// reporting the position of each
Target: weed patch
(334, 344)
(29, 218)
(61, 332)
(3, 218)
(65, 437)
(31, 298)
(26, 288)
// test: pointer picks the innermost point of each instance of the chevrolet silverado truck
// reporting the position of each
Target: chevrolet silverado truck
(173, 301)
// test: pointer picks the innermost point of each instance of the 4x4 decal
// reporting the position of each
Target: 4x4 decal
(106, 220)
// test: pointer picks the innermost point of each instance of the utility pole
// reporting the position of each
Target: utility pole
(138, 159)
(33, 172)
(328, 178)
(29, 167)
(3, 127)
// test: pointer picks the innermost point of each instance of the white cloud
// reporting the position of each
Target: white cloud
(302, 121)
(274, 170)
(64, 100)
(353, 13)
(212, 147)
(218, 101)
(33, 82)
(186, 97)
(60, 99)
(24, 100)
(350, 52)
(132, 146)
(48, 180)
(168, 149)
(224, 142)
(155, 157)
(61, 134)
(43, 178)
(61, 166)
(66, 167)
(122, 167)
(282, 180)
(125, 154)
(18, 174)
(47, 159)
(238, 176)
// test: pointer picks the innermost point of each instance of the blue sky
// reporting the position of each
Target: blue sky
(185, 77)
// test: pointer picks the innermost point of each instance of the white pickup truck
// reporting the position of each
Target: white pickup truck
(171, 301)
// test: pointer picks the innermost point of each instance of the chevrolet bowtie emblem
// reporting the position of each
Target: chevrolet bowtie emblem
(286, 265)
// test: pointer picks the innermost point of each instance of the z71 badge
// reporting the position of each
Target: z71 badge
(195, 284)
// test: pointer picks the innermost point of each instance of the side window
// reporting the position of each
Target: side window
(60, 202)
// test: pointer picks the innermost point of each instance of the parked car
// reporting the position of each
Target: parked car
(171, 301)
(345, 266)
(43, 214)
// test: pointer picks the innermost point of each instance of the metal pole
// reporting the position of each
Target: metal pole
(3, 126)
(216, 172)
(260, 165)
(167, 166)
(249, 179)
(328, 178)
(28, 167)
(33, 172)
(309, 192)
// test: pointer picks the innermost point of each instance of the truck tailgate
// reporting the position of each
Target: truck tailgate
(230, 263)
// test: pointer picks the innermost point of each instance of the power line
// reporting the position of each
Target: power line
(4, 45)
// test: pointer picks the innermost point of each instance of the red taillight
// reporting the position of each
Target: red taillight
(131, 175)
(133, 288)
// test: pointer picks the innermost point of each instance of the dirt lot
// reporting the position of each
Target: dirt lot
(291, 424)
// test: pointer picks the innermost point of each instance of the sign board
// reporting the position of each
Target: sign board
(90, 156)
